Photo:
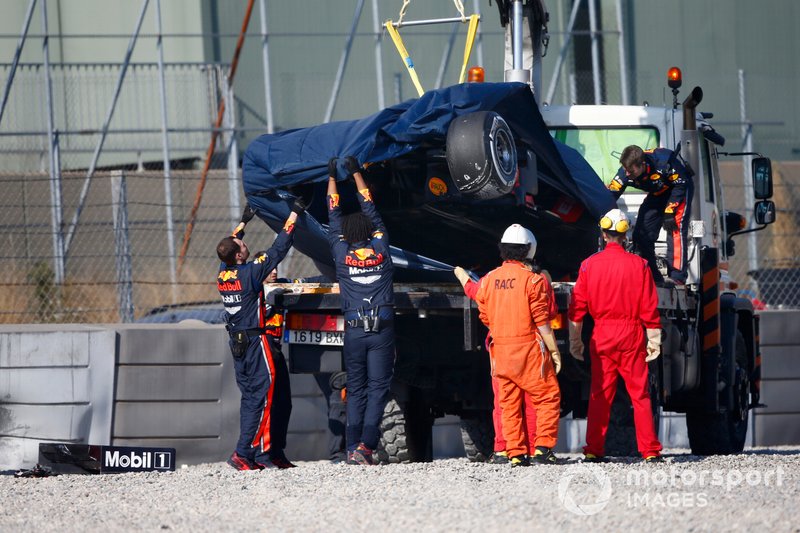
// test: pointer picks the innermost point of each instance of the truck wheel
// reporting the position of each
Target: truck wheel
(724, 433)
(481, 155)
(621, 436)
(406, 435)
(478, 437)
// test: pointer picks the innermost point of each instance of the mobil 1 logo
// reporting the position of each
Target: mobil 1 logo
(134, 459)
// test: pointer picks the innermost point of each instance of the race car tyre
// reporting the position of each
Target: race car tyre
(481, 155)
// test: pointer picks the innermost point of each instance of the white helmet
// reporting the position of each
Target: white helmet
(615, 221)
(516, 234)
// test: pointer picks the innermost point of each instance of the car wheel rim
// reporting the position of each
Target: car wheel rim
(504, 147)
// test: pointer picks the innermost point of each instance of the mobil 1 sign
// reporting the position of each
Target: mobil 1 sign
(135, 459)
(71, 458)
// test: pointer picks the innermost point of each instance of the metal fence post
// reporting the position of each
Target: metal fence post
(17, 53)
(623, 62)
(104, 131)
(56, 204)
(562, 54)
(478, 37)
(165, 150)
(233, 152)
(446, 56)
(122, 246)
(376, 22)
(337, 83)
(595, 52)
(747, 146)
(265, 61)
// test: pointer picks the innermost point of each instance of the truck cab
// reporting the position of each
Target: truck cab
(710, 367)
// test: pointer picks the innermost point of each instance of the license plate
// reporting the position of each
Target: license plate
(322, 338)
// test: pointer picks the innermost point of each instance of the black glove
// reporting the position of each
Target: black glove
(247, 214)
(351, 164)
(299, 206)
(669, 224)
(332, 167)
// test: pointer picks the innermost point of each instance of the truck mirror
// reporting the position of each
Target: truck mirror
(765, 212)
(730, 247)
(762, 178)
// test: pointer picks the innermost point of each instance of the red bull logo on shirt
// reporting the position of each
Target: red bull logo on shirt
(363, 253)
(228, 275)
(228, 286)
(363, 257)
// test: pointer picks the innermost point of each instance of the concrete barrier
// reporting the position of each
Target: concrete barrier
(56, 385)
(172, 385)
(779, 422)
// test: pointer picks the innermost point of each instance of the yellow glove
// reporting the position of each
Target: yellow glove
(550, 341)
(576, 346)
(462, 275)
(653, 344)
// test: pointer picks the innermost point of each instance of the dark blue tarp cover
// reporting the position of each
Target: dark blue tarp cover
(297, 156)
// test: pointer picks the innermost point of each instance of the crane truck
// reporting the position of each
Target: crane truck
(448, 172)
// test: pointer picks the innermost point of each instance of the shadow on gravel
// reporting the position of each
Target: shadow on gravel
(769, 451)
(689, 458)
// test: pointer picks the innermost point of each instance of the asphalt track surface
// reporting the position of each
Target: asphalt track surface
(758, 490)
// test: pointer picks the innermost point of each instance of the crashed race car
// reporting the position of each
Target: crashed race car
(448, 173)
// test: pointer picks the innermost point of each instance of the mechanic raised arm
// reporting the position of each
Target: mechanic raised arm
(265, 261)
(240, 285)
(364, 199)
(364, 268)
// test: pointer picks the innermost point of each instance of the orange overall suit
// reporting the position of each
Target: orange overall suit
(529, 411)
(512, 301)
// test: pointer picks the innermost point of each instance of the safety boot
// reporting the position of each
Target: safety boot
(498, 458)
(592, 458)
(653, 459)
(544, 456)
(243, 463)
(362, 456)
(520, 460)
(280, 461)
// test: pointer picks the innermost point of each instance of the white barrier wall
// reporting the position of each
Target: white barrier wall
(56, 385)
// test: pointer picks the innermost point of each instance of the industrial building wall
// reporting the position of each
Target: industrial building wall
(709, 39)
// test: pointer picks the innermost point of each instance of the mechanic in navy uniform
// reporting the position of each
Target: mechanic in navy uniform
(668, 204)
(260, 367)
(364, 268)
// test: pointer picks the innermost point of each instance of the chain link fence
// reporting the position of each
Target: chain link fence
(766, 263)
(85, 247)
(95, 238)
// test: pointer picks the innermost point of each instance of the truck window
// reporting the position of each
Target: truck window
(602, 146)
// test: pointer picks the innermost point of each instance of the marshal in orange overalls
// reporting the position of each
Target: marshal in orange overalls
(513, 302)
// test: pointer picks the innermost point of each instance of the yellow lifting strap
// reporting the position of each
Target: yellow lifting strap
(404, 55)
(473, 29)
(401, 49)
